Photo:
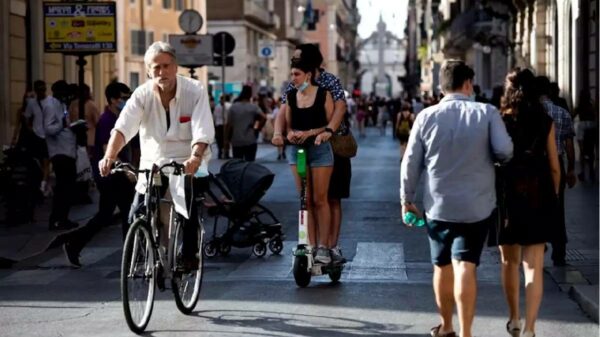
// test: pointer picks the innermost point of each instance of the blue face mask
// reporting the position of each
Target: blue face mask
(303, 86)
(121, 105)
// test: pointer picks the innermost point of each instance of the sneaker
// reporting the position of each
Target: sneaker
(336, 255)
(72, 255)
(513, 328)
(323, 256)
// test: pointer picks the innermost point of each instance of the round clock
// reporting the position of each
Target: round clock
(190, 21)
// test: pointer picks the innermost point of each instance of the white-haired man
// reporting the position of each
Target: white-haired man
(173, 117)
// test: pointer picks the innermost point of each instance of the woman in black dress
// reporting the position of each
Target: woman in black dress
(528, 191)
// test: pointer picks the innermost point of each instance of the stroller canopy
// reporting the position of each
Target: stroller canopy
(247, 181)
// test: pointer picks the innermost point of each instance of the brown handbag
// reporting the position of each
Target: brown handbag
(344, 145)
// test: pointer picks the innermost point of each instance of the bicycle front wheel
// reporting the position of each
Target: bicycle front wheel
(138, 276)
(187, 279)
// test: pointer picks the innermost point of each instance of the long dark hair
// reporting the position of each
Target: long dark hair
(521, 97)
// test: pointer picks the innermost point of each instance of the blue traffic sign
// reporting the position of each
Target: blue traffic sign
(266, 51)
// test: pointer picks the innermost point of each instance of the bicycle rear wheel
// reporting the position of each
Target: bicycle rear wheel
(187, 280)
(138, 276)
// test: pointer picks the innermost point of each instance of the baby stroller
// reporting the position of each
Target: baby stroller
(234, 193)
(20, 176)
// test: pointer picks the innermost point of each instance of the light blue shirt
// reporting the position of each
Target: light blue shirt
(454, 144)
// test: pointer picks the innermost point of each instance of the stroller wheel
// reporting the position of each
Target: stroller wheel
(224, 249)
(210, 249)
(276, 246)
(259, 249)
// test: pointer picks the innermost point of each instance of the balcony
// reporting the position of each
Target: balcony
(293, 34)
(474, 25)
(256, 13)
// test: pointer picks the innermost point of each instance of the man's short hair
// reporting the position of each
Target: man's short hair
(542, 83)
(115, 89)
(157, 48)
(453, 75)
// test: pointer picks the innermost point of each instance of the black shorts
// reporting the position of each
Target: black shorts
(339, 185)
(39, 149)
(458, 241)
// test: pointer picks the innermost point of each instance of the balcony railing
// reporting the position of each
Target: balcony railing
(256, 13)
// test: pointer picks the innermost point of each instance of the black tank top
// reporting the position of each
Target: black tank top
(312, 117)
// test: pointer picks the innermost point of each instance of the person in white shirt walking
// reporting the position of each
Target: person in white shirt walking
(173, 117)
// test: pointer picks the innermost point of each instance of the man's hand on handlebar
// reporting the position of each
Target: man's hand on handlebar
(191, 165)
(105, 165)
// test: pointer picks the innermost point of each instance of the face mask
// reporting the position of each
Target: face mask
(303, 86)
(472, 97)
(121, 105)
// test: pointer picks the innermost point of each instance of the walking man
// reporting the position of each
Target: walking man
(564, 144)
(454, 144)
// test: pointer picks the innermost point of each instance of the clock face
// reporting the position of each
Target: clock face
(190, 21)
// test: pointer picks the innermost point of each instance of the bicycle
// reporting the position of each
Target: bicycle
(146, 264)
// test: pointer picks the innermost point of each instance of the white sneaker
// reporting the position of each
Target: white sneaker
(322, 256)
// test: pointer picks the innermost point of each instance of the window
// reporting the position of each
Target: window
(134, 80)
(138, 42)
(179, 5)
(149, 39)
(167, 4)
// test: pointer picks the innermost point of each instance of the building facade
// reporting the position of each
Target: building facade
(380, 57)
(252, 23)
(559, 39)
(556, 38)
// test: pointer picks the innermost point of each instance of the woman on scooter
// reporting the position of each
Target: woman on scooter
(310, 110)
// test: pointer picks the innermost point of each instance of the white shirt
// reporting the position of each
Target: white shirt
(34, 110)
(190, 122)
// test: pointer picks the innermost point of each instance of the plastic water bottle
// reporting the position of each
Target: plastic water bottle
(202, 170)
(411, 218)
(301, 163)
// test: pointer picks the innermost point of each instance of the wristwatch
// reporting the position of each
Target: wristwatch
(329, 130)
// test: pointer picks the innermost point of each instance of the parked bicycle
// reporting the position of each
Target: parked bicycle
(150, 258)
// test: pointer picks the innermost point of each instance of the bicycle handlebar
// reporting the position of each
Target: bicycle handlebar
(128, 168)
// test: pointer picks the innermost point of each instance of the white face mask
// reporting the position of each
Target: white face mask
(303, 86)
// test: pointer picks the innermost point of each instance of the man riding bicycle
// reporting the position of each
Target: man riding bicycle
(174, 121)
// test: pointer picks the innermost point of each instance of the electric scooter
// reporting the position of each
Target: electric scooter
(304, 265)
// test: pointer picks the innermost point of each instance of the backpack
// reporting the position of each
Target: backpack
(403, 128)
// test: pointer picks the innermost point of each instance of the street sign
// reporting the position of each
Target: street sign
(193, 50)
(223, 42)
(266, 49)
(80, 27)
(218, 61)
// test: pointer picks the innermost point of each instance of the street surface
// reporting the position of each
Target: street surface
(385, 289)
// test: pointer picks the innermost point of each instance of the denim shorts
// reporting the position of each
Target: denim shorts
(458, 241)
(316, 155)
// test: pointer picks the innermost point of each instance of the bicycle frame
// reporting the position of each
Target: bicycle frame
(152, 203)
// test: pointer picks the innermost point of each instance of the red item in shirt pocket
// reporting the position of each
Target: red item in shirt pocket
(184, 119)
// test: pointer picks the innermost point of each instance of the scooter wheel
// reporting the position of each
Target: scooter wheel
(210, 249)
(335, 275)
(276, 246)
(259, 249)
(224, 249)
(301, 272)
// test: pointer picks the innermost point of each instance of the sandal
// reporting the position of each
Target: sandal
(435, 332)
(513, 328)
